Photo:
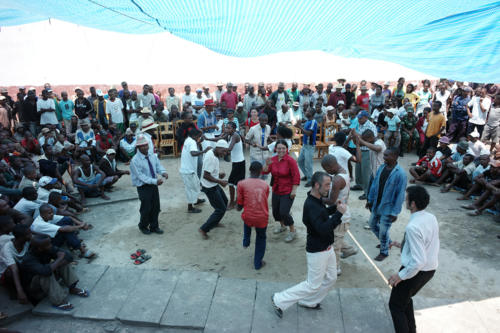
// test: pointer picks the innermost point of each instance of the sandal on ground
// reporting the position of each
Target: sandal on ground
(63, 307)
(137, 254)
(475, 212)
(142, 259)
(469, 207)
(82, 292)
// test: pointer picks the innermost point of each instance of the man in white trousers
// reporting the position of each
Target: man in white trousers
(321, 263)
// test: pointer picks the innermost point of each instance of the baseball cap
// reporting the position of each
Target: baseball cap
(222, 144)
(240, 104)
(363, 114)
(46, 180)
(110, 151)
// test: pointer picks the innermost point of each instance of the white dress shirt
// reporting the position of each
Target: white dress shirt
(139, 169)
(421, 245)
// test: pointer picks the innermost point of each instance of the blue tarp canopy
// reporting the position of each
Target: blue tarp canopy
(457, 39)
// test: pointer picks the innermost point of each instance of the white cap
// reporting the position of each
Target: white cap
(99, 92)
(110, 151)
(222, 144)
(340, 102)
(475, 133)
(46, 180)
(329, 108)
(240, 104)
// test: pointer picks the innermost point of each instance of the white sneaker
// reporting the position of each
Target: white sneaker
(367, 227)
(339, 271)
(290, 237)
(279, 229)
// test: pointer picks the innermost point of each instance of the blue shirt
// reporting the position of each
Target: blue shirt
(355, 125)
(459, 108)
(140, 173)
(206, 120)
(67, 108)
(311, 125)
(393, 195)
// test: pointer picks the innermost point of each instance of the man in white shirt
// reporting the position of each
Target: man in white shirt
(187, 97)
(342, 155)
(147, 99)
(443, 95)
(114, 110)
(210, 181)
(46, 107)
(284, 116)
(419, 259)
(145, 172)
(189, 168)
(477, 109)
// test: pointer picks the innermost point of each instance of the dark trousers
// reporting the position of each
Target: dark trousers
(471, 127)
(281, 208)
(70, 238)
(260, 243)
(457, 129)
(218, 201)
(401, 304)
(150, 206)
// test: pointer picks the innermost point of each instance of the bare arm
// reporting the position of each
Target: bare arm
(337, 186)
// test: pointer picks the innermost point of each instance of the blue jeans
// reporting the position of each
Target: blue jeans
(380, 225)
(218, 201)
(70, 238)
(305, 161)
(260, 243)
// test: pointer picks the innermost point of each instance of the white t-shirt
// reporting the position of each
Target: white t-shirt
(284, 117)
(478, 148)
(47, 228)
(280, 100)
(377, 157)
(115, 110)
(189, 163)
(47, 117)
(9, 255)
(443, 99)
(28, 207)
(195, 101)
(4, 239)
(129, 147)
(43, 194)
(341, 154)
(478, 116)
(187, 98)
(211, 165)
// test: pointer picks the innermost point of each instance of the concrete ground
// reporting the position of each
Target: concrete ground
(468, 268)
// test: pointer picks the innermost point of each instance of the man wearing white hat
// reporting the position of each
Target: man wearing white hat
(107, 164)
(211, 180)
(144, 171)
(148, 131)
(336, 96)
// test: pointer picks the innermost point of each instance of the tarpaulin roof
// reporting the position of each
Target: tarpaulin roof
(458, 39)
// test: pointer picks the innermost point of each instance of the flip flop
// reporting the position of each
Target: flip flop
(63, 307)
(475, 212)
(82, 293)
(137, 254)
(142, 259)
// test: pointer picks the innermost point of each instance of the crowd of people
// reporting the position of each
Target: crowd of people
(43, 137)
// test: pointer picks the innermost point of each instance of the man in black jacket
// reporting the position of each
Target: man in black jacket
(321, 263)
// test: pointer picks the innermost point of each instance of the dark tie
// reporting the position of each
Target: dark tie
(153, 175)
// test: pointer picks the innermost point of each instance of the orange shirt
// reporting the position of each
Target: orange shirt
(436, 122)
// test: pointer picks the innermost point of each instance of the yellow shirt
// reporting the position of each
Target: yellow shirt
(413, 98)
(436, 122)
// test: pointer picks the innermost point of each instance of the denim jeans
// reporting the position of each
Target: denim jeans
(380, 225)
(260, 243)
(218, 201)
(70, 238)
(305, 161)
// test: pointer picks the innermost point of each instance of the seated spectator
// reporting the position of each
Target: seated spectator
(30, 177)
(85, 140)
(61, 207)
(476, 146)
(104, 141)
(461, 172)
(30, 143)
(41, 270)
(443, 151)
(29, 203)
(17, 216)
(49, 167)
(107, 164)
(61, 229)
(491, 192)
(47, 185)
(230, 118)
(144, 115)
(409, 133)
(126, 148)
(135, 129)
(89, 180)
(19, 132)
(428, 168)
(461, 149)
(174, 114)
(47, 138)
(12, 254)
(6, 226)
(485, 172)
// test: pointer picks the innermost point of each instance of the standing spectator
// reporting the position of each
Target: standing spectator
(145, 170)
(198, 101)
(257, 138)
(305, 160)
(294, 92)
(459, 115)
(320, 222)
(218, 92)
(443, 96)
(82, 106)
(252, 199)
(172, 99)
(385, 199)
(249, 100)
(230, 97)
(114, 108)
(279, 97)
(363, 171)
(377, 98)
(4, 113)
(363, 100)
(419, 259)
(425, 96)
(147, 98)
(47, 109)
(121, 93)
(207, 123)
(100, 109)
(492, 130)
(435, 127)
(350, 97)
(411, 95)
(67, 107)
(392, 135)
(386, 91)
(286, 179)
(134, 107)
(477, 110)
(28, 115)
(409, 132)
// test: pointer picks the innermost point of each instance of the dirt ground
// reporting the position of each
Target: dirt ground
(469, 258)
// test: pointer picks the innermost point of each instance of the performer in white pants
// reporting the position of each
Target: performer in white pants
(320, 222)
